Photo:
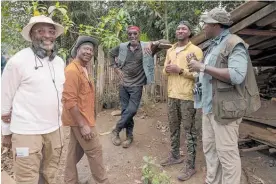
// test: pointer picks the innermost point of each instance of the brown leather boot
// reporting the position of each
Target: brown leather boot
(127, 142)
(186, 173)
(171, 160)
(115, 138)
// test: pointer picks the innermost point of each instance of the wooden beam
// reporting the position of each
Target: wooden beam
(246, 9)
(249, 20)
(272, 150)
(267, 20)
(265, 57)
(258, 148)
(255, 52)
(244, 140)
(205, 44)
(237, 14)
(254, 17)
(265, 44)
(198, 38)
(256, 39)
(263, 63)
(256, 32)
(273, 24)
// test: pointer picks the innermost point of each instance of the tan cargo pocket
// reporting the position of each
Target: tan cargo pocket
(255, 101)
(233, 109)
(254, 92)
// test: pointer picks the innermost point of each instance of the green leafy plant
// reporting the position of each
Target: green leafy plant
(110, 28)
(152, 173)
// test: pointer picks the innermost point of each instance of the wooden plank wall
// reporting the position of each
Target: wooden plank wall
(156, 92)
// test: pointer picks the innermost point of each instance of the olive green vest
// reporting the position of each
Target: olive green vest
(231, 102)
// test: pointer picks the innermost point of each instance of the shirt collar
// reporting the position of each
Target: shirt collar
(185, 46)
(220, 37)
(78, 65)
(138, 46)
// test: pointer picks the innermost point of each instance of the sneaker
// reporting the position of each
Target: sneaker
(127, 143)
(171, 160)
(186, 173)
(115, 138)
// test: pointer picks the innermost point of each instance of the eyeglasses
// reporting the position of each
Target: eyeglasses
(43, 32)
(134, 33)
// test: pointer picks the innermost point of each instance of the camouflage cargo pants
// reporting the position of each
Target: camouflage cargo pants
(183, 111)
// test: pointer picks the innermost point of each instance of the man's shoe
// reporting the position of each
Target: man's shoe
(115, 138)
(127, 143)
(171, 161)
(186, 173)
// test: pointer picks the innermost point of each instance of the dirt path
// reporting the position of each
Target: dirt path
(124, 165)
(151, 138)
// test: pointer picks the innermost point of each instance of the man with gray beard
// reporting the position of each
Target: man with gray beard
(32, 84)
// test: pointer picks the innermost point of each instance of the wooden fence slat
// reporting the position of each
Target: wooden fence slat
(100, 81)
(108, 82)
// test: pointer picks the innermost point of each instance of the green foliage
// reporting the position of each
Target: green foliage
(109, 29)
(12, 24)
(63, 53)
(144, 37)
(15, 16)
(152, 173)
(106, 20)
(159, 18)
(60, 11)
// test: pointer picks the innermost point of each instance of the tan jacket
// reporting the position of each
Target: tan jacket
(231, 102)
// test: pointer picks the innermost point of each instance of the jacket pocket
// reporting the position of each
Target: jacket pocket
(233, 109)
(85, 88)
(254, 101)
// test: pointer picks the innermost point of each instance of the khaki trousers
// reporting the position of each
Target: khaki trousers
(93, 150)
(220, 146)
(44, 154)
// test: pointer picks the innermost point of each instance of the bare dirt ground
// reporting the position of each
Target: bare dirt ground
(151, 138)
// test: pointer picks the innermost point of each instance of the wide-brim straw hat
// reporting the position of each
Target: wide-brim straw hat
(40, 19)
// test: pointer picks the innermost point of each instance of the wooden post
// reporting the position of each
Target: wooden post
(100, 80)
(90, 69)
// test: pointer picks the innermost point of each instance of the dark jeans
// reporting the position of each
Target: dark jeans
(130, 98)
